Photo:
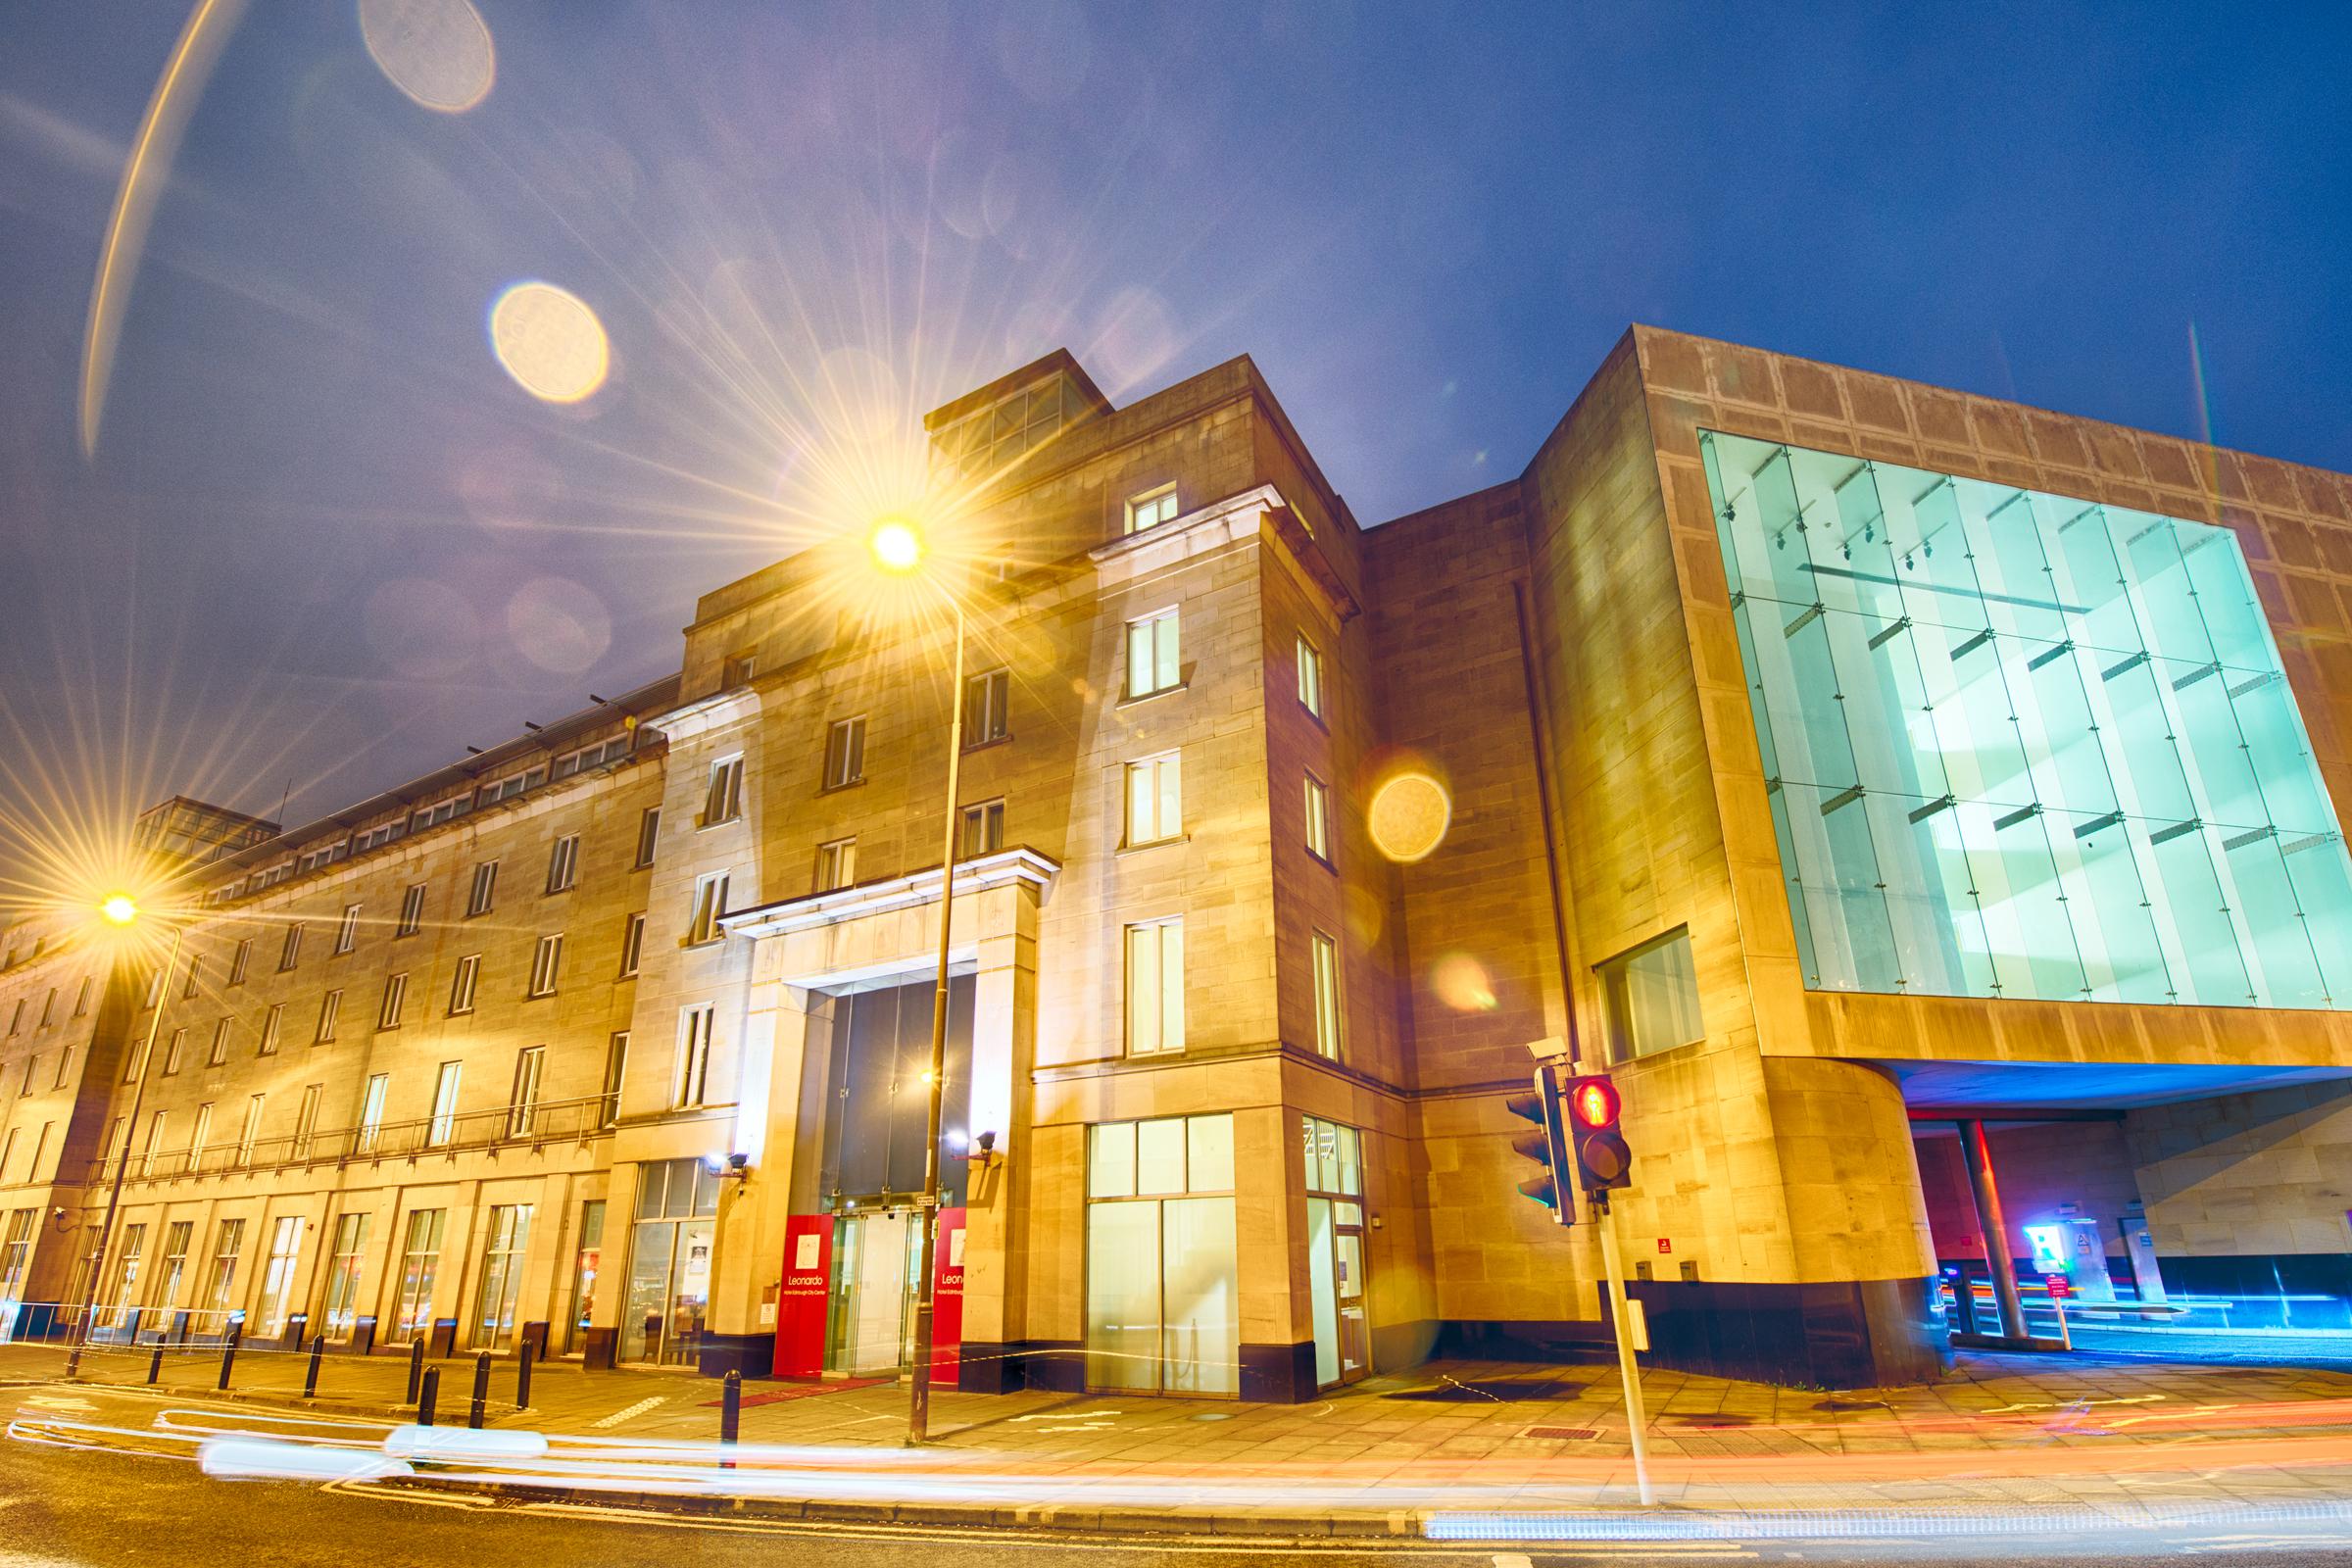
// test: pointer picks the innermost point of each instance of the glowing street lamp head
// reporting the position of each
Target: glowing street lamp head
(895, 544)
(120, 909)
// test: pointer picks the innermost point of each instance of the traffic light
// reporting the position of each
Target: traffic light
(1604, 1162)
(1548, 1145)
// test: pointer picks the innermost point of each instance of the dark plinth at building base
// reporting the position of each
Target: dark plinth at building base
(1278, 1374)
(752, 1354)
(598, 1350)
(992, 1367)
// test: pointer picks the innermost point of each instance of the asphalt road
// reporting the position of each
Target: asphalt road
(103, 1507)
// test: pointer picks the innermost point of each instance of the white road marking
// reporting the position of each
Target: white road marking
(639, 1408)
(1512, 1559)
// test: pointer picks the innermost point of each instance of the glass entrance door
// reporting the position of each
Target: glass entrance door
(668, 1296)
(874, 1293)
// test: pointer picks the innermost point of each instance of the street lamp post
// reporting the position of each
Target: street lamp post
(121, 910)
(897, 548)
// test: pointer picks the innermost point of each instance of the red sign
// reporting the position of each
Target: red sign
(946, 1297)
(1665, 1243)
(2059, 1286)
(801, 1296)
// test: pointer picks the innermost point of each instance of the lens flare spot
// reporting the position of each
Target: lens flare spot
(1408, 816)
(559, 624)
(438, 52)
(1462, 984)
(549, 341)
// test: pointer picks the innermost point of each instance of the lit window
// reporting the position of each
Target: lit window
(1318, 818)
(219, 1052)
(462, 984)
(632, 945)
(1650, 998)
(617, 1063)
(1327, 996)
(412, 910)
(1154, 801)
(1150, 509)
(444, 1125)
(709, 903)
(836, 864)
(292, 951)
(564, 862)
(347, 934)
(396, 996)
(273, 1022)
(328, 1005)
(1153, 664)
(723, 800)
(545, 959)
(1310, 678)
(172, 1051)
(983, 830)
(522, 1111)
(236, 966)
(985, 698)
(694, 1055)
(1154, 987)
(485, 889)
(845, 752)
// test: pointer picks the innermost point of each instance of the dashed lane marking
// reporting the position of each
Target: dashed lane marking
(639, 1408)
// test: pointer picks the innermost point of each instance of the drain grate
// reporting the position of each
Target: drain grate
(1720, 1419)
(1562, 1434)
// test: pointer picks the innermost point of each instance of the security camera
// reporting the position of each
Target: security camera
(988, 1142)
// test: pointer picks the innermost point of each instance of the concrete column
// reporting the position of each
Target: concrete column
(1993, 1228)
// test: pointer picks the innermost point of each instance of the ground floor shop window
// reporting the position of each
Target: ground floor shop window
(125, 1293)
(1162, 1275)
(670, 1263)
(349, 1250)
(221, 1285)
(277, 1274)
(420, 1263)
(1334, 1249)
(173, 1264)
(586, 1266)
(502, 1274)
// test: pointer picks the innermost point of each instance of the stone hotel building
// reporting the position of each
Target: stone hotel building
(1926, 808)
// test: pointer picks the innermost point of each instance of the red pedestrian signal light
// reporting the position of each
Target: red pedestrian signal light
(1593, 1102)
(1604, 1162)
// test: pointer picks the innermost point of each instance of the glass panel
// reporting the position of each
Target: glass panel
(1323, 1288)
(1122, 1295)
(644, 1317)
(2020, 745)
(1209, 1154)
(1111, 1161)
(1200, 1271)
(1159, 1155)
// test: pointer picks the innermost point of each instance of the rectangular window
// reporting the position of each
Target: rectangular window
(546, 958)
(1162, 1262)
(412, 910)
(737, 669)
(632, 945)
(65, 1065)
(272, 1021)
(461, 984)
(16, 1252)
(1154, 987)
(238, 963)
(251, 1133)
(172, 1049)
(693, 1077)
(82, 998)
(396, 996)
(836, 864)
(155, 1142)
(564, 862)
(986, 699)
(1310, 678)
(156, 979)
(292, 951)
(345, 1257)
(419, 1262)
(722, 800)
(171, 1267)
(983, 830)
(1649, 998)
(1154, 801)
(1150, 509)
(199, 1135)
(328, 1007)
(511, 785)
(16, 1018)
(134, 1063)
(347, 933)
(504, 1249)
(1153, 664)
(709, 903)
(845, 752)
(485, 889)
(1327, 996)
(444, 1125)
(1318, 818)
(187, 993)
(616, 1064)
(220, 1283)
(523, 1110)
(448, 810)
(8, 1151)
(648, 836)
(217, 1053)
(306, 1120)
(371, 1111)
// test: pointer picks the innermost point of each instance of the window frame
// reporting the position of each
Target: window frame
(849, 756)
(709, 908)
(1328, 985)
(989, 817)
(1161, 501)
(412, 910)
(690, 1084)
(722, 791)
(1147, 629)
(1317, 804)
(547, 963)
(632, 946)
(1310, 678)
(463, 981)
(837, 865)
(1172, 1005)
(395, 1001)
(994, 691)
(1160, 804)
(481, 895)
(563, 863)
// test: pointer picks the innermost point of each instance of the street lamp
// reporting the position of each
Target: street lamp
(898, 547)
(121, 910)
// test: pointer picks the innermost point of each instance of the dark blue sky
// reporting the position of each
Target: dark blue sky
(324, 541)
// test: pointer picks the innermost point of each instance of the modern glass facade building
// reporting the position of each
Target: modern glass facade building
(2022, 745)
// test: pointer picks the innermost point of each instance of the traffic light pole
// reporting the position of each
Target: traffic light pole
(1629, 1370)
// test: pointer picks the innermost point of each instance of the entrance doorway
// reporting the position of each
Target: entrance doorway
(663, 1316)
(870, 1317)
(1335, 1250)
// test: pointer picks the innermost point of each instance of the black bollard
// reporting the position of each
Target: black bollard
(415, 1368)
(155, 1365)
(730, 1412)
(229, 1359)
(310, 1374)
(523, 1376)
(481, 1391)
(429, 1395)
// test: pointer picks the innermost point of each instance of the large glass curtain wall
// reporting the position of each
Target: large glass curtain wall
(2020, 745)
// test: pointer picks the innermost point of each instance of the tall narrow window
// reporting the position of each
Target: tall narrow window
(154, 1143)
(396, 996)
(156, 979)
(709, 903)
(1153, 664)
(632, 945)
(221, 1285)
(371, 1111)
(617, 1065)
(845, 752)
(187, 993)
(1327, 996)
(419, 1262)
(237, 965)
(648, 836)
(306, 1120)
(171, 1268)
(1154, 801)
(546, 958)
(199, 1135)
(461, 984)
(81, 997)
(1318, 818)
(522, 1111)
(347, 931)
(329, 1005)
(485, 889)
(16, 1018)
(1154, 987)
(217, 1053)
(836, 864)
(564, 862)
(412, 910)
(1150, 509)
(694, 1055)
(344, 1257)
(1310, 678)
(64, 1065)
(292, 951)
(172, 1051)
(444, 1126)
(251, 1133)
(722, 801)
(985, 700)
(134, 1063)
(273, 1023)
(983, 830)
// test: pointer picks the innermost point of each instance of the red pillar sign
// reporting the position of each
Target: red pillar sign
(801, 1299)
(946, 1298)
